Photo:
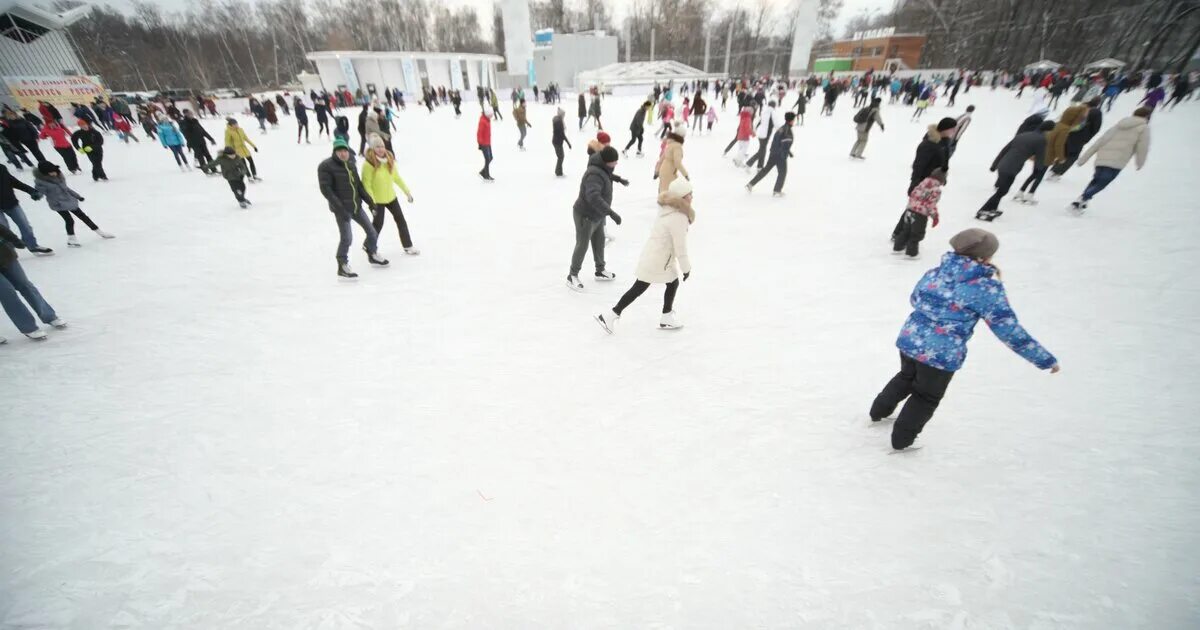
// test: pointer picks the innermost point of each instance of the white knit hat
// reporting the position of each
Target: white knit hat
(374, 141)
(679, 188)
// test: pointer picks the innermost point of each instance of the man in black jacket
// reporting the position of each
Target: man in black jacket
(1079, 138)
(591, 207)
(781, 150)
(637, 128)
(557, 138)
(1008, 164)
(933, 152)
(195, 135)
(21, 133)
(91, 143)
(9, 206)
(342, 188)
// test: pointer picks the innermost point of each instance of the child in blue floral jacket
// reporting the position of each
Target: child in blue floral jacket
(947, 303)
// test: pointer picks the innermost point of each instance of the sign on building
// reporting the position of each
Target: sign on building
(26, 91)
(875, 33)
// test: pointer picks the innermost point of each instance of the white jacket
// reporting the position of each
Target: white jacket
(764, 122)
(667, 248)
(1130, 137)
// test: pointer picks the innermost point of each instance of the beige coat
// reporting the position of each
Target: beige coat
(372, 127)
(1129, 138)
(670, 165)
(665, 256)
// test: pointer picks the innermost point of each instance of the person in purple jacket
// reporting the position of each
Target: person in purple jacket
(947, 303)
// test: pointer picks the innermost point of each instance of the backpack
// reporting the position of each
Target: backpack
(861, 116)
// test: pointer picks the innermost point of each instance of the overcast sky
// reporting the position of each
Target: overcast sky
(484, 7)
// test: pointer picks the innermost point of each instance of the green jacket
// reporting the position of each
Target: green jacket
(232, 167)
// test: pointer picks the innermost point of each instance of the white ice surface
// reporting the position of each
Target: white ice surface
(228, 437)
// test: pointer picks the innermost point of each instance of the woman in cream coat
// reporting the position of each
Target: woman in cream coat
(665, 257)
(670, 161)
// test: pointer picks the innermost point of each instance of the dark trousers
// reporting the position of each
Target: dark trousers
(730, 145)
(238, 186)
(394, 207)
(636, 137)
(780, 166)
(923, 387)
(96, 157)
(301, 128)
(487, 161)
(909, 233)
(587, 232)
(16, 155)
(66, 217)
(1035, 178)
(200, 152)
(1004, 182)
(1062, 167)
(761, 155)
(639, 288)
(558, 151)
(33, 148)
(1103, 176)
(250, 163)
(69, 160)
(322, 126)
(180, 158)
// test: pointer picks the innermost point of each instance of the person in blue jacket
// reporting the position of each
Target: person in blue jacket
(947, 303)
(171, 138)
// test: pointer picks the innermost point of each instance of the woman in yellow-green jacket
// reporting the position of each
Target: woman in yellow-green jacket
(378, 176)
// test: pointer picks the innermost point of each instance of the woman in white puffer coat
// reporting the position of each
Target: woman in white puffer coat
(665, 257)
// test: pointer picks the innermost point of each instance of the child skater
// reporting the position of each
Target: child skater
(923, 103)
(234, 169)
(947, 303)
(922, 208)
(711, 116)
(48, 180)
(664, 258)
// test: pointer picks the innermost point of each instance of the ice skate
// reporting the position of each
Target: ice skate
(345, 271)
(912, 256)
(988, 215)
(625, 153)
(777, 194)
(1079, 205)
(103, 234)
(574, 283)
(2, 339)
(243, 204)
(667, 322)
(412, 251)
(36, 335)
(73, 241)
(58, 323)
(605, 276)
(41, 251)
(1019, 197)
(1053, 177)
(1030, 200)
(749, 188)
(608, 321)
(375, 259)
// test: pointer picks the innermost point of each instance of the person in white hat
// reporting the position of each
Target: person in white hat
(664, 258)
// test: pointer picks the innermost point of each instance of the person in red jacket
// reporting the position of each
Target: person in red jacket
(124, 129)
(483, 137)
(61, 139)
(745, 133)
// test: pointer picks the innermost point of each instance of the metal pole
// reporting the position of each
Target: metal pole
(628, 39)
(651, 43)
(707, 47)
(729, 44)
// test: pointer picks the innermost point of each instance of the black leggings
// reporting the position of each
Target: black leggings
(322, 126)
(302, 127)
(639, 288)
(1034, 178)
(637, 137)
(253, 169)
(238, 186)
(394, 207)
(200, 151)
(66, 217)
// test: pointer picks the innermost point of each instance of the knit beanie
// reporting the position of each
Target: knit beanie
(340, 144)
(946, 124)
(604, 138)
(975, 243)
(609, 155)
(231, 121)
(679, 188)
(375, 142)
(228, 151)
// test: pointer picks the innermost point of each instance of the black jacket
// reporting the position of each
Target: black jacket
(1012, 158)
(301, 111)
(194, 133)
(781, 144)
(341, 186)
(582, 107)
(559, 135)
(1031, 123)
(19, 131)
(595, 190)
(8, 186)
(639, 121)
(87, 138)
(8, 244)
(931, 153)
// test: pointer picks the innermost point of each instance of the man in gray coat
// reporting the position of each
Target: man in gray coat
(869, 118)
(1023, 147)
(591, 207)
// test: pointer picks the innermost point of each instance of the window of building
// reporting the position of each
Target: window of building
(20, 29)
(894, 50)
(857, 52)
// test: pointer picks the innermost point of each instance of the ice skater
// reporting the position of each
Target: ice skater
(14, 285)
(483, 137)
(781, 150)
(235, 136)
(1025, 146)
(380, 178)
(948, 302)
(234, 169)
(343, 189)
(90, 142)
(664, 259)
(1128, 139)
(48, 179)
(592, 207)
(922, 209)
(171, 139)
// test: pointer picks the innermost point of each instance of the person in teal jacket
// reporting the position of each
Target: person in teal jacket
(948, 302)
(171, 138)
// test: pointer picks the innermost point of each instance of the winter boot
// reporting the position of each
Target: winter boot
(608, 321)
(667, 322)
(72, 241)
(345, 271)
(605, 276)
(375, 259)
(103, 234)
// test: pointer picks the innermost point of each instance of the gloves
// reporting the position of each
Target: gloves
(410, 198)
(686, 275)
(935, 220)
(256, 149)
(37, 196)
(19, 244)
(615, 217)
(992, 169)
(80, 198)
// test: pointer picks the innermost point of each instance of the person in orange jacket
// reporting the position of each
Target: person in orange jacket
(483, 137)
(61, 138)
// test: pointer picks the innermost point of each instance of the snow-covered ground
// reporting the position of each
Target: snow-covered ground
(229, 437)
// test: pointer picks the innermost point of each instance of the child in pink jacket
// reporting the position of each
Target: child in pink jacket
(921, 209)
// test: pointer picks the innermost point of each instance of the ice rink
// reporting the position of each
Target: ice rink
(229, 437)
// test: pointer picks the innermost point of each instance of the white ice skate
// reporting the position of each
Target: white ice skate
(608, 321)
(574, 284)
(73, 241)
(605, 276)
(1030, 200)
(37, 335)
(103, 234)
(1019, 197)
(58, 323)
(3, 341)
(777, 194)
(667, 322)
(412, 251)
(1053, 177)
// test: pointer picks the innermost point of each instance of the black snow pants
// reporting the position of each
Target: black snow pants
(923, 387)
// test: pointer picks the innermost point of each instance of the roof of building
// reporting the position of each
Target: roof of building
(642, 72)
(400, 54)
(1044, 64)
(1107, 62)
(41, 16)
